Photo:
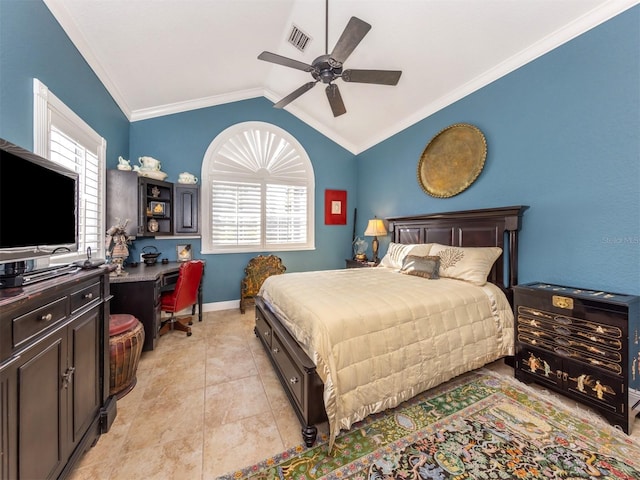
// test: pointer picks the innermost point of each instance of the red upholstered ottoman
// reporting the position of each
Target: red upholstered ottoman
(126, 338)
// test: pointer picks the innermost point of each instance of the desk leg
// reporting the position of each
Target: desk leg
(200, 302)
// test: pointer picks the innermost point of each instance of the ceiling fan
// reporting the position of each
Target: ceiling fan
(327, 68)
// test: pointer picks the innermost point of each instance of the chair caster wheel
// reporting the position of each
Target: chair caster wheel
(189, 334)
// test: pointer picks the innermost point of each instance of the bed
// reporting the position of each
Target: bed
(349, 343)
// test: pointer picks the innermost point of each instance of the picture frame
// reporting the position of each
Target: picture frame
(158, 209)
(335, 207)
(184, 252)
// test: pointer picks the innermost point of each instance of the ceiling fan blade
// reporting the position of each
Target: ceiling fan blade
(295, 94)
(287, 62)
(380, 77)
(335, 100)
(352, 35)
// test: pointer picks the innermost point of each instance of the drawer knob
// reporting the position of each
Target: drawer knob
(294, 380)
(46, 317)
(276, 350)
(88, 296)
(266, 333)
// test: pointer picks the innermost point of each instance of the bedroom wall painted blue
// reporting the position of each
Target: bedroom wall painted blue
(180, 141)
(563, 136)
(562, 133)
(34, 45)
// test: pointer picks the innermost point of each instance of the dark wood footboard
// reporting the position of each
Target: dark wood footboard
(296, 371)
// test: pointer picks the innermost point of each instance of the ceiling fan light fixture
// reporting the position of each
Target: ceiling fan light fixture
(328, 67)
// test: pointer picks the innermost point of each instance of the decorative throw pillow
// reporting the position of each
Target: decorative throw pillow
(426, 267)
(398, 251)
(472, 264)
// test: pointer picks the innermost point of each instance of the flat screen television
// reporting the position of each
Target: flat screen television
(38, 209)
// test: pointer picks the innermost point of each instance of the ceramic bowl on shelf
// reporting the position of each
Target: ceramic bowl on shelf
(187, 178)
(155, 174)
(149, 163)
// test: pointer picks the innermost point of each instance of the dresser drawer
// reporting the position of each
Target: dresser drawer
(85, 296)
(586, 312)
(32, 323)
(553, 321)
(294, 377)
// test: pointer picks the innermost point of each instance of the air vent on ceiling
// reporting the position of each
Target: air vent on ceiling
(298, 38)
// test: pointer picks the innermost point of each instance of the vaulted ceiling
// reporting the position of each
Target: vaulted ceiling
(158, 57)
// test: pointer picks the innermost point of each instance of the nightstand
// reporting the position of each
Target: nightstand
(357, 264)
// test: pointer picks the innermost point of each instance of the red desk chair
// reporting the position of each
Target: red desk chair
(185, 294)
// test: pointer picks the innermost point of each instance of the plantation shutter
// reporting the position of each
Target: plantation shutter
(74, 156)
(63, 137)
(286, 210)
(235, 214)
(259, 184)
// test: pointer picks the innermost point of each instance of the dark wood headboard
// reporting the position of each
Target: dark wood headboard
(487, 227)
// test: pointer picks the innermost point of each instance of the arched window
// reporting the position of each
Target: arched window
(258, 190)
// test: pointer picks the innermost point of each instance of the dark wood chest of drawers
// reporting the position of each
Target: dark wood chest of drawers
(582, 343)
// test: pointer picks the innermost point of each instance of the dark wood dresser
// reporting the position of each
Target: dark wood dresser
(582, 343)
(54, 373)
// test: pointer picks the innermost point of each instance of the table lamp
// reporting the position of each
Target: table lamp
(375, 228)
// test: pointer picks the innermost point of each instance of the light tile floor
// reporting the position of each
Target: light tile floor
(203, 406)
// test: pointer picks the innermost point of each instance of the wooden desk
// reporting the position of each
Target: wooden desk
(138, 293)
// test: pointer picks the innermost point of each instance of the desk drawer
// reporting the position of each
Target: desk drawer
(30, 324)
(170, 279)
(85, 296)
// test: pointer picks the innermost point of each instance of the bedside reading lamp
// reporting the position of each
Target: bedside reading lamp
(375, 228)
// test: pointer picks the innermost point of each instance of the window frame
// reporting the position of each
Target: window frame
(233, 138)
(49, 110)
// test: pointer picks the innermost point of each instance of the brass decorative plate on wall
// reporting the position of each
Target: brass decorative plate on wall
(452, 160)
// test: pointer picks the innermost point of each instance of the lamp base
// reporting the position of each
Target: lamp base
(374, 247)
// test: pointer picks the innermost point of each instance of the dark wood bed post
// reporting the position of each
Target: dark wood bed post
(513, 225)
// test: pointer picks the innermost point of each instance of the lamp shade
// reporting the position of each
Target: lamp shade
(375, 228)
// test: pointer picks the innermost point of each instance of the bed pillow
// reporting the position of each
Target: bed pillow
(426, 267)
(398, 251)
(471, 264)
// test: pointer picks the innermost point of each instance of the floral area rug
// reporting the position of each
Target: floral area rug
(476, 427)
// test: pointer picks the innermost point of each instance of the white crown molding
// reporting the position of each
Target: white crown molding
(595, 17)
(64, 18)
(179, 107)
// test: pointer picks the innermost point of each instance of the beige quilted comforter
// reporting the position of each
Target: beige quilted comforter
(379, 337)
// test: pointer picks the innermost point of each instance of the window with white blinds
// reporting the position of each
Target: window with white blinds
(64, 138)
(75, 156)
(258, 187)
